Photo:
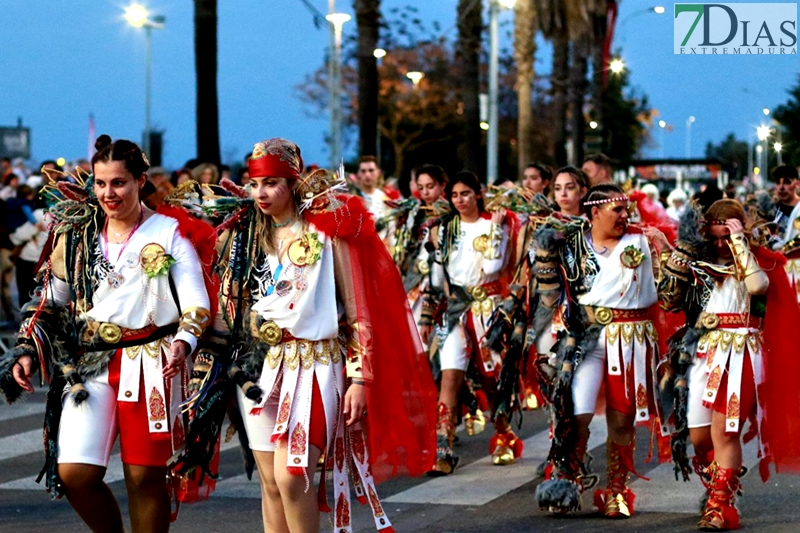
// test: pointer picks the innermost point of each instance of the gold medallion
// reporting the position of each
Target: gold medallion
(478, 293)
(796, 223)
(709, 320)
(271, 333)
(481, 243)
(423, 267)
(603, 316)
(631, 257)
(110, 333)
(297, 253)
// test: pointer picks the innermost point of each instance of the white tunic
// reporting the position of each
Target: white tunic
(466, 266)
(619, 287)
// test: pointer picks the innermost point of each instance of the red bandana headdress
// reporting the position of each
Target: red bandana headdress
(275, 158)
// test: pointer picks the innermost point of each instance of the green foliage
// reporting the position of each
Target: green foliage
(732, 153)
(626, 116)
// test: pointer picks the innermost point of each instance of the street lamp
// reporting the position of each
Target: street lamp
(689, 122)
(616, 65)
(415, 76)
(662, 124)
(593, 125)
(337, 20)
(765, 111)
(139, 17)
(659, 10)
(494, 73)
(778, 146)
(379, 53)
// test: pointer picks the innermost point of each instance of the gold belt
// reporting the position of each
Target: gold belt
(297, 352)
(113, 334)
(717, 320)
(606, 315)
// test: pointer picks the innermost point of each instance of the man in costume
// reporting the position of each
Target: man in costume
(732, 362)
(787, 220)
(603, 271)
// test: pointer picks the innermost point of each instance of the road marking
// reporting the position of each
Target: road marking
(662, 494)
(488, 482)
(20, 444)
(10, 412)
(114, 472)
(241, 487)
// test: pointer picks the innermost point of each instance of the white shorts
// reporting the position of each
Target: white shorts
(697, 414)
(453, 354)
(589, 378)
(87, 431)
(259, 427)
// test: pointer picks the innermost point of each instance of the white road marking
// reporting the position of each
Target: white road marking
(10, 412)
(486, 481)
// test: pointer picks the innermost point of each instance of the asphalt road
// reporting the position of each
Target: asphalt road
(479, 498)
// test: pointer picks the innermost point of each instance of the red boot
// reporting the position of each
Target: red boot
(446, 459)
(616, 501)
(504, 446)
(721, 513)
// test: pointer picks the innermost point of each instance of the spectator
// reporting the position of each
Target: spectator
(160, 179)
(10, 184)
(244, 176)
(181, 176)
(676, 202)
(206, 173)
(598, 169)
(29, 240)
(536, 177)
(5, 168)
(224, 172)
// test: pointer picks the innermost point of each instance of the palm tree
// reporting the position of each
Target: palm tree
(470, 25)
(205, 64)
(368, 14)
(524, 54)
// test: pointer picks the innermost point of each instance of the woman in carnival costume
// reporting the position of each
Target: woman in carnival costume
(733, 361)
(326, 356)
(111, 335)
(603, 272)
(413, 220)
(470, 267)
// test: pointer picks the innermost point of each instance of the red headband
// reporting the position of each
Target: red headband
(275, 158)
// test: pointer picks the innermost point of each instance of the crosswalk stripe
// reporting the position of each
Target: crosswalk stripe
(114, 472)
(241, 487)
(662, 494)
(10, 412)
(20, 444)
(486, 481)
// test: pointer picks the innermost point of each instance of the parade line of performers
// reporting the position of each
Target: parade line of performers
(354, 332)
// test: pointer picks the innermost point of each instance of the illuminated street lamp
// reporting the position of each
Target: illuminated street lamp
(593, 125)
(492, 140)
(689, 122)
(616, 65)
(337, 20)
(778, 146)
(139, 17)
(765, 111)
(659, 10)
(415, 76)
(662, 124)
(379, 53)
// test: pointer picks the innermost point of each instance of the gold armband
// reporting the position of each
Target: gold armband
(746, 263)
(194, 321)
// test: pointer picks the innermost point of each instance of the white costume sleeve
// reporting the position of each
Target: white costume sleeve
(494, 265)
(57, 291)
(187, 274)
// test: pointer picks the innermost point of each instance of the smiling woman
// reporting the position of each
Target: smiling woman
(106, 292)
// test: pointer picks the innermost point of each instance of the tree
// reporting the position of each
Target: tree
(470, 24)
(732, 153)
(628, 117)
(788, 116)
(368, 22)
(524, 54)
(205, 63)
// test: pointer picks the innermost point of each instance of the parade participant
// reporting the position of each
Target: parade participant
(604, 271)
(112, 336)
(731, 290)
(410, 253)
(788, 221)
(471, 256)
(536, 178)
(569, 188)
(369, 181)
(598, 169)
(324, 346)
(676, 204)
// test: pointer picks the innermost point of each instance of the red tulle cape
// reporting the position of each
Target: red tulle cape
(653, 214)
(401, 395)
(781, 426)
(204, 239)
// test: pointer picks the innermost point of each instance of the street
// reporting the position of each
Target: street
(479, 498)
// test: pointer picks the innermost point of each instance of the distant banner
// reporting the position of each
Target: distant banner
(15, 142)
(735, 29)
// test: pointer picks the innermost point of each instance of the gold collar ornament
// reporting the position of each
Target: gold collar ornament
(306, 250)
(631, 257)
(155, 260)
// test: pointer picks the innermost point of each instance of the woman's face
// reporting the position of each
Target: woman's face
(429, 190)
(718, 236)
(273, 196)
(611, 218)
(532, 180)
(207, 176)
(464, 199)
(568, 194)
(116, 189)
(183, 177)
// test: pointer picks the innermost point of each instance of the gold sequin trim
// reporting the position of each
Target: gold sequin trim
(298, 352)
(194, 321)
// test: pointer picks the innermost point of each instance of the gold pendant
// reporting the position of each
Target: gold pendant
(481, 243)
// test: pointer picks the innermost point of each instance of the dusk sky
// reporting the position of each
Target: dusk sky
(62, 60)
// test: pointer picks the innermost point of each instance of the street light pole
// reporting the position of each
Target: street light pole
(689, 122)
(493, 138)
(337, 20)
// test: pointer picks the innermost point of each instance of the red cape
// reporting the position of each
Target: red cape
(781, 390)
(401, 397)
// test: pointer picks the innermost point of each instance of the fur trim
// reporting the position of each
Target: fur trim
(558, 495)
(347, 221)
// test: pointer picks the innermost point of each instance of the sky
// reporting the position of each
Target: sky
(64, 60)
